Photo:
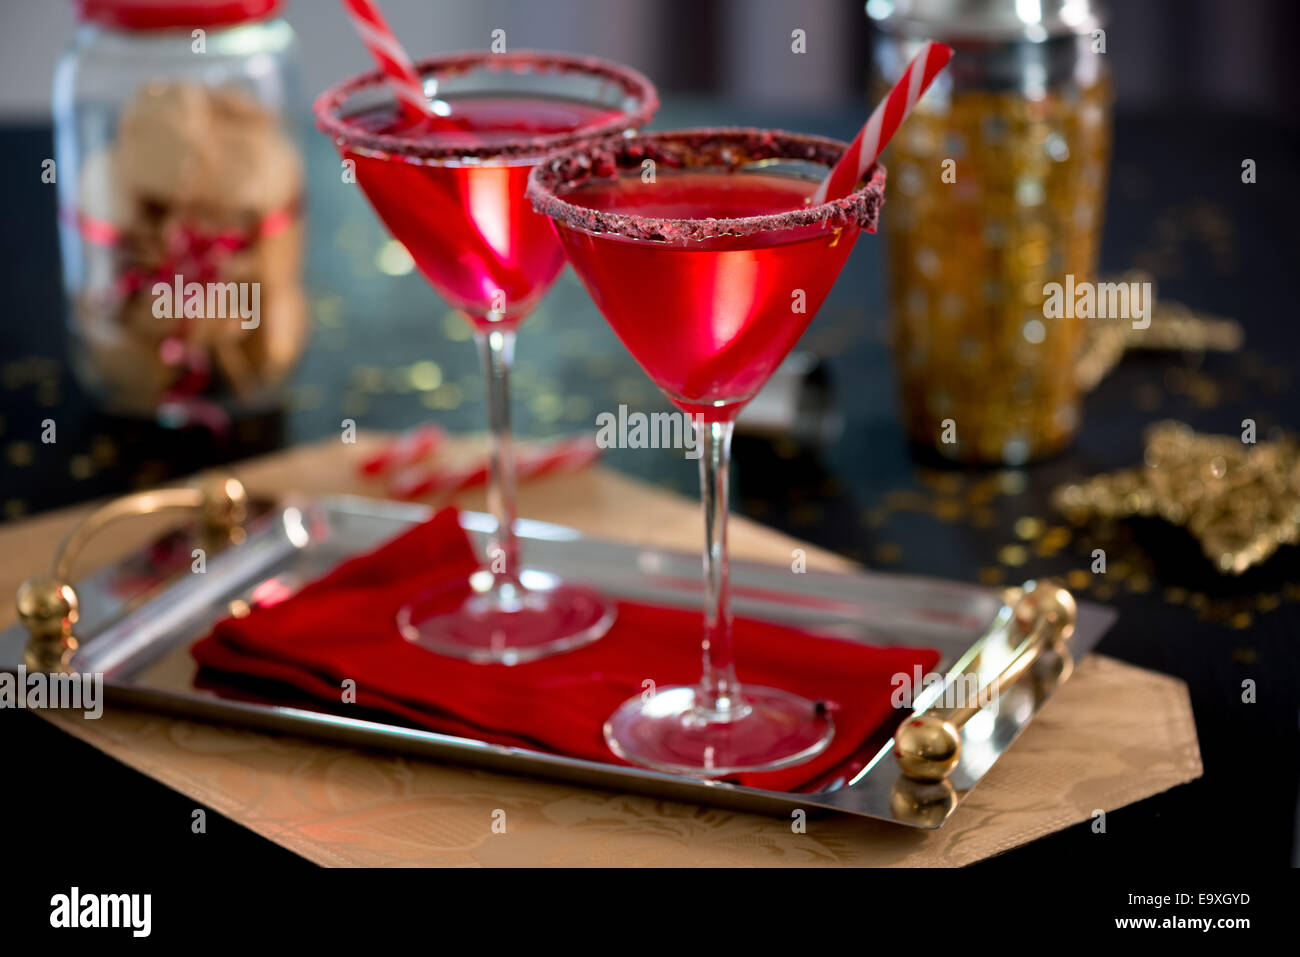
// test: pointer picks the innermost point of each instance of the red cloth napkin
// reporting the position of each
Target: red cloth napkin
(342, 626)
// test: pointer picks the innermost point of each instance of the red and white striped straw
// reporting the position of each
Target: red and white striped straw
(407, 449)
(563, 455)
(390, 57)
(884, 122)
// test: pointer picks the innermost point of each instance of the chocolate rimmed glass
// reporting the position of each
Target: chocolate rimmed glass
(451, 190)
(704, 253)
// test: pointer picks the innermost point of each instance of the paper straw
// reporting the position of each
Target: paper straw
(390, 57)
(564, 455)
(884, 122)
(407, 449)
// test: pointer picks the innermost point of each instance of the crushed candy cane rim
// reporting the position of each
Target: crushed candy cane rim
(730, 148)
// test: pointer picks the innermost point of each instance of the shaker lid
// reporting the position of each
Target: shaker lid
(1033, 20)
(173, 14)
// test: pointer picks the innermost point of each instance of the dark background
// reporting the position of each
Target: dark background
(1201, 86)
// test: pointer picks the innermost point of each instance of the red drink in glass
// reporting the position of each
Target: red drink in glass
(727, 309)
(707, 258)
(450, 187)
(466, 224)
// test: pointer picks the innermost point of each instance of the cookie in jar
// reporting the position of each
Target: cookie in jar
(180, 189)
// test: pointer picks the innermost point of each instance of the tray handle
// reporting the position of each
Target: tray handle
(48, 606)
(927, 746)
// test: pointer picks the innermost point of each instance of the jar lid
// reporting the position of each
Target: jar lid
(173, 14)
(984, 20)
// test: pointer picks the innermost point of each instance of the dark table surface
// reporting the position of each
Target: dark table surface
(1176, 207)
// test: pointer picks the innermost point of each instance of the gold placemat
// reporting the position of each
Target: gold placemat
(1113, 735)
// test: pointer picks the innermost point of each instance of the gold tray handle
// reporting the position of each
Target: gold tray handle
(927, 746)
(48, 606)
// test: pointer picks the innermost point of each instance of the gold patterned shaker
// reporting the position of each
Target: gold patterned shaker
(996, 187)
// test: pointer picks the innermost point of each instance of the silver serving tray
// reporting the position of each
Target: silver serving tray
(140, 616)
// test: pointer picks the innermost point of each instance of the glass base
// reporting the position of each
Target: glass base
(668, 732)
(505, 623)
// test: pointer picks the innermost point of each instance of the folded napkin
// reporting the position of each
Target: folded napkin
(342, 627)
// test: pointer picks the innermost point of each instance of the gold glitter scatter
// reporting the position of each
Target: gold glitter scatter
(1139, 584)
(81, 467)
(1078, 579)
(1176, 596)
(1291, 591)
(456, 328)
(1104, 591)
(19, 454)
(1011, 482)
(238, 608)
(1244, 656)
(424, 376)
(990, 575)
(1240, 620)
(948, 509)
(983, 518)
(944, 483)
(1267, 602)
(48, 394)
(888, 553)
(393, 259)
(1057, 537)
(103, 450)
(875, 517)
(1028, 528)
(369, 379)
(1013, 555)
(1240, 501)
(547, 406)
(901, 500)
(446, 396)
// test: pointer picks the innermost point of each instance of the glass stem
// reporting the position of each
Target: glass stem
(496, 349)
(719, 697)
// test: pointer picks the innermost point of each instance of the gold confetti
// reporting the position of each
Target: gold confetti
(81, 467)
(1028, 528)
(1014, 555)
(1078, 579)
(948, 510)
(992, 576)
(1241, 501)
(888, 553)
(19, 454)
(1267, 602)
(424, 376)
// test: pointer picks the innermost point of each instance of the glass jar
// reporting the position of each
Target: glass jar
(997, 187)
(180, 179)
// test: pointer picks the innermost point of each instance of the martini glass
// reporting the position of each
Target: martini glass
(704, 253)
(450, 188)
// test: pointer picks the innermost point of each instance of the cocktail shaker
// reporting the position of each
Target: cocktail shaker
(996, 189)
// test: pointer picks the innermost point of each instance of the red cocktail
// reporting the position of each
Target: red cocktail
(703, 252)
(450, 187)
